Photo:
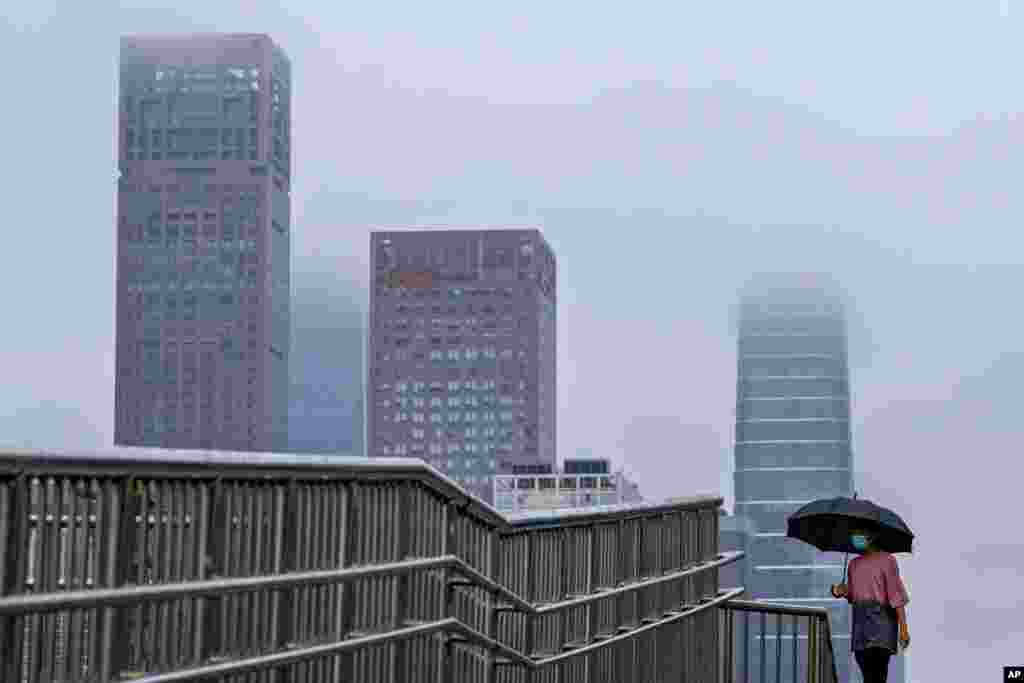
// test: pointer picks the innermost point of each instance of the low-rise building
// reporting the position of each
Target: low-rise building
(581, 482)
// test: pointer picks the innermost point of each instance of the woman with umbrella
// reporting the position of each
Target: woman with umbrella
(874, 587)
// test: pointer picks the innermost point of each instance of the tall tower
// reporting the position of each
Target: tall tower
(461, 360)
(204, 241)
(793, 440)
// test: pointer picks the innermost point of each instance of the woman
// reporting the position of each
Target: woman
(879, 601)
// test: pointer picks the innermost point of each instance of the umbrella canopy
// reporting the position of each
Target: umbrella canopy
(827, 524)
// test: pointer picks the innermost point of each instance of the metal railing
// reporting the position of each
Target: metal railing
(163, 566)
(797, 649)
(176, 566)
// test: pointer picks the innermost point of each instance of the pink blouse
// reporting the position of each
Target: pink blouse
(876, 577)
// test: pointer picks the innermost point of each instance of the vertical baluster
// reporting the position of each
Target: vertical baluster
(257, 566)
(764, 645)
(445, 668)
(186, 564)
(222, 545)
(565, 550)
(328, 554)
(7, 550)
(112, 530)
(796, 641)
(178, 554)
(64, 513)
(201, 533)
(82, 621)
(812, 654)
(247, 630)
(729, 671)
(276, 532)
(491, 568)
(746, 646)
(778, 648)
(307, 545)
(400, 595)
(236, 566)
(163, 562)
(149, 561)
(592, 609)
(346, 548)
(50, 568)
(68, 580)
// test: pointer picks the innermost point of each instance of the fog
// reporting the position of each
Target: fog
(666, 155)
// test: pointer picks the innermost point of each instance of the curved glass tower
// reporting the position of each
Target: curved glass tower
(793, 442)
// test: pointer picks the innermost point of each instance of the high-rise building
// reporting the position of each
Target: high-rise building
(462, 350)
(793, 440)
(204, 238)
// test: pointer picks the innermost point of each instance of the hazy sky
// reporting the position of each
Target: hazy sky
(666, 153)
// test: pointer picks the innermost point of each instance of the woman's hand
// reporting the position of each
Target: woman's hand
(839, 590)
(904, 635)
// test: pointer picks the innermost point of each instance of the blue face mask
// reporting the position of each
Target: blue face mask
(859, 541)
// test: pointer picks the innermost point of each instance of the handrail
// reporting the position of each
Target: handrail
(197, 465)
(18, 605)
(831, 652)
(450, 625)
(81, 502)
(819, 642)
(672, 617)
(777, 608)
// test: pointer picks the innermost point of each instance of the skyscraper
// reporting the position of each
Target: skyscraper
(793, 440)
(204, 238)
(462, 350)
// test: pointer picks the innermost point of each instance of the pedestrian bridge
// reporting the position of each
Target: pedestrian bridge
(161, 566)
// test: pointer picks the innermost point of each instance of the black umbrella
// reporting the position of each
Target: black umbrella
(827, 524)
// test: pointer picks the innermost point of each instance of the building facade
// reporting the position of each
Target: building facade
(204, 242)
(462, 350)
(793, 442)
(581, 483)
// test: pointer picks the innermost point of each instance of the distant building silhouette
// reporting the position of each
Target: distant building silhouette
(325, 411)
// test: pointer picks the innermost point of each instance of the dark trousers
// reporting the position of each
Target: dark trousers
(874, 664)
